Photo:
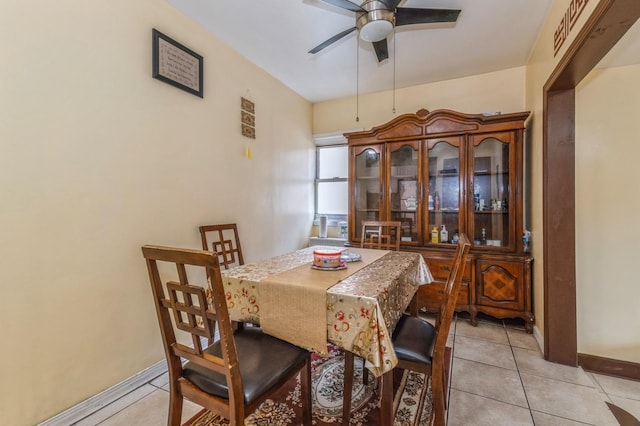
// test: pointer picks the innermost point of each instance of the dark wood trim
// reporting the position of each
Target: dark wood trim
(610, 367)
(609, 21)
(558, 212)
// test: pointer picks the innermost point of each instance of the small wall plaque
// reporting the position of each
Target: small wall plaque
(247, 118)
(248, 131)
(247, 105)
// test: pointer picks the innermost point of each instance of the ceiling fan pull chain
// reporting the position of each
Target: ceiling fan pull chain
(358, 80)
(394, 71)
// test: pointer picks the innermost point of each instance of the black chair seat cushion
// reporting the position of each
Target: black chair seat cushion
(414, 339)
(263, 361)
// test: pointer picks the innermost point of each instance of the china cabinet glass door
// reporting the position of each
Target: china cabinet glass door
(367, 185)
(444, 197)
(492, 193)
(404, 189)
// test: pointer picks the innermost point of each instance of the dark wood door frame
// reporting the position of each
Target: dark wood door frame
(609, 21)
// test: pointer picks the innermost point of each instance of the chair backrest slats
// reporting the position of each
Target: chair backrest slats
(225, 241)
(384, 235)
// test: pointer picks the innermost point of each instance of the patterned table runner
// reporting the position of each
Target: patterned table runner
(293, 302)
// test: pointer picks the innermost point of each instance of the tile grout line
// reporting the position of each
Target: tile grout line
(519, 374)
(533, 373)
(453, 348)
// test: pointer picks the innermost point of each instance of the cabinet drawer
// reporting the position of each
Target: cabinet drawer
(430, 295)
(440, 269)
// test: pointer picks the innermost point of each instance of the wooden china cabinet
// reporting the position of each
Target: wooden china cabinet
(440, 174)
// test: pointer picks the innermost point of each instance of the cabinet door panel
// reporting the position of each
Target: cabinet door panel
(500, 284)
(404, 189)
(444, 165)
(493, 183)
(366, 196)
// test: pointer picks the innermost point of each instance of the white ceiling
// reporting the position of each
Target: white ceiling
(490, 35)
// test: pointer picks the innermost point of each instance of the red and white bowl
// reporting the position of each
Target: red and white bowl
(325, 258)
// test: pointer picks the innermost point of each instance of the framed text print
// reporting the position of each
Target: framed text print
(176, 64)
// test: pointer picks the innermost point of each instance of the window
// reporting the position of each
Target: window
(331, 181)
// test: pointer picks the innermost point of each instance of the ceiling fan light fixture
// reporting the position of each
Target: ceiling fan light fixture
(376, 30)
(375, 25)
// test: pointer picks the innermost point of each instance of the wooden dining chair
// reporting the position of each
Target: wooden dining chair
(420, 346)
(224, 240)
(241, 369)
(381, 235)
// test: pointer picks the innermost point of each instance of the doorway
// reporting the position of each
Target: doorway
(607, 24)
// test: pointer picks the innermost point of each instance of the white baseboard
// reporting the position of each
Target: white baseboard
(115, 392)
(96, 402)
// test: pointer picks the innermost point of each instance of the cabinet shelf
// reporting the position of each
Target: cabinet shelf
(491, 211)
(367, 177)
(488, 173)
(435, 175)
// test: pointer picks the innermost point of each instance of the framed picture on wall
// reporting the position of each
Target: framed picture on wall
(176, 64)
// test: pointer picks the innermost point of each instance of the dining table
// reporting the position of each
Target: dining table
(355, 307)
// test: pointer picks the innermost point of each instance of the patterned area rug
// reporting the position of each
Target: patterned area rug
(327, 388)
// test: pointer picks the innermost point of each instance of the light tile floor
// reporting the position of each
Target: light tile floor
(498, 377)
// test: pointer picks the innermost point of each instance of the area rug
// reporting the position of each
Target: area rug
(285, 409)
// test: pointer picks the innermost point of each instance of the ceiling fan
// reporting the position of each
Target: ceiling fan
(375, 19)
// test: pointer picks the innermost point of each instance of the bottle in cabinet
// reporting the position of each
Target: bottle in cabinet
(444, 235)
(434, 235)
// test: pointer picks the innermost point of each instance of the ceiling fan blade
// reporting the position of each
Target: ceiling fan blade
(345, 4)
(408, 15)
(391, 4)
(331, 40)
(382, 50)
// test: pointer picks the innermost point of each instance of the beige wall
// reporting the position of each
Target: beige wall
(498, 91)
(607, 202)
(98, 158)
(606, 292)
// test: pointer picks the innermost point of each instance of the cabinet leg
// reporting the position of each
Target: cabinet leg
(474, 313)
(528, 322)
